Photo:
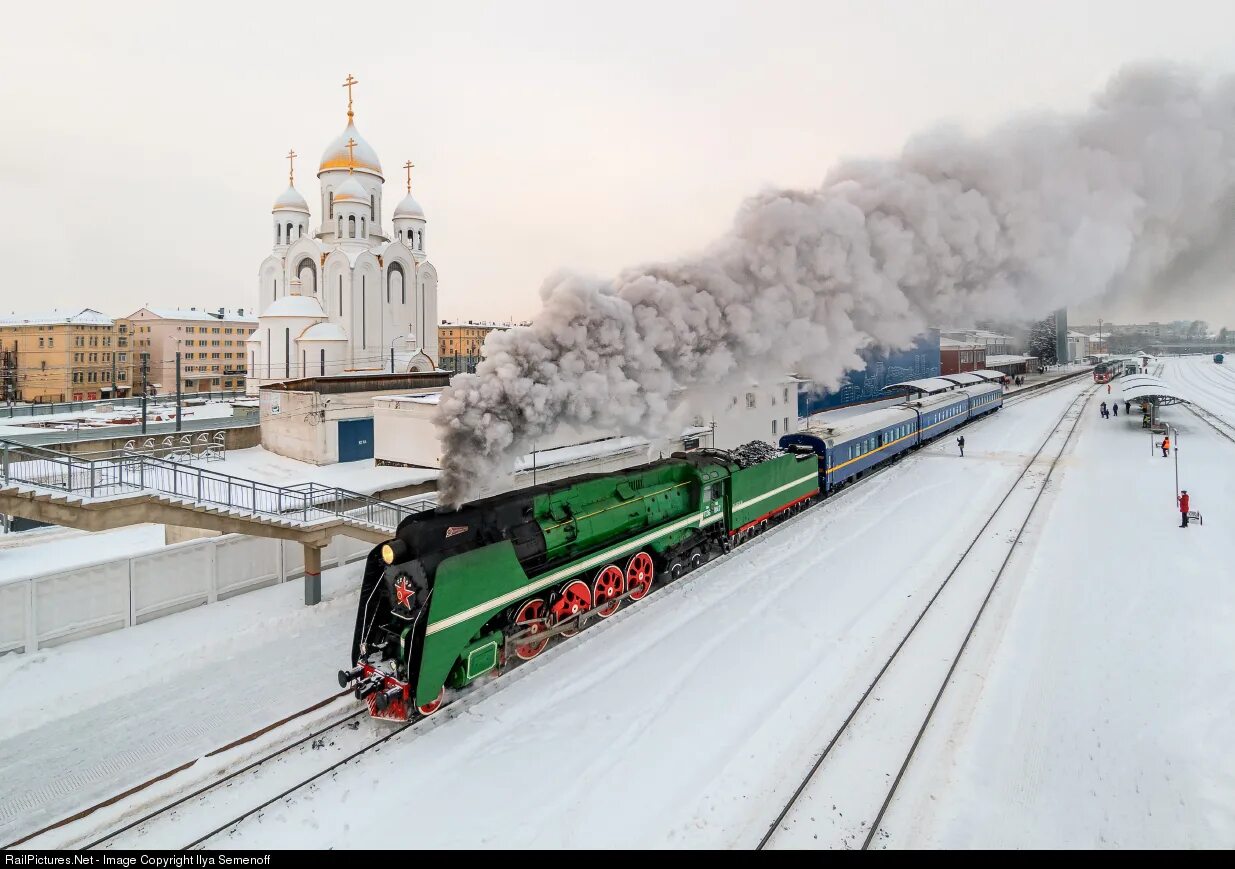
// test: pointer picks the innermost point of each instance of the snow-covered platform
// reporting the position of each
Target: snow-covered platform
(1092, 707)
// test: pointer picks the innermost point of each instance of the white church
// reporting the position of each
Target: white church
(346, 296)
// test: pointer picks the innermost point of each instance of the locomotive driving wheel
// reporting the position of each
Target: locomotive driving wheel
(532, 619)
(430, 708)
(610, 583)
(639, 575)
(574, 599)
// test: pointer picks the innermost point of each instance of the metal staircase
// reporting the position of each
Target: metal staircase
(128, 489)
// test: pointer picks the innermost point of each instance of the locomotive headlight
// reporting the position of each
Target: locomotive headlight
(395, 550)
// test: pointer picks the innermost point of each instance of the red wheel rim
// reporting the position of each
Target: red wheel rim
(532, 618)
(430, 708)
(575, 598)
(639, 571)
(610, 583)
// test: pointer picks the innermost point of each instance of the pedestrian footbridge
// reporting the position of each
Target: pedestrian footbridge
(131, 489)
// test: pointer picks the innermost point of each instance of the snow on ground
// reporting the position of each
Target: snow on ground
(1211, 385)
(697, 712)
(44, 550)
(87, 720)
(364, 476)
(1094, 711)
(1099, 714)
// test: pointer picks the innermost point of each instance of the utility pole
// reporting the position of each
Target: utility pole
(145, 389)
(1175, 446)
(177, 390)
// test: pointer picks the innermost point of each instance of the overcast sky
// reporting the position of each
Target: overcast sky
(143, 144)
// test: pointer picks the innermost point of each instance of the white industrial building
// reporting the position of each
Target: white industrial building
(404, 433)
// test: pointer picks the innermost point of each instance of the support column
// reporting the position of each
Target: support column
(312, 575)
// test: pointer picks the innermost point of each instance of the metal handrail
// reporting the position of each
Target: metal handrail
(304, 503)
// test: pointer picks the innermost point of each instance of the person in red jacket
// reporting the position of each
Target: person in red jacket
(1183, 508)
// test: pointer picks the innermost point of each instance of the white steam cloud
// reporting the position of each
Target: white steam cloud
(1039, 214)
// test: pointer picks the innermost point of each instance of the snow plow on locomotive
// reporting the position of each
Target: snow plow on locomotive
(460, 594)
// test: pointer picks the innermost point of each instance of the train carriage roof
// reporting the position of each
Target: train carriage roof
(858, 426)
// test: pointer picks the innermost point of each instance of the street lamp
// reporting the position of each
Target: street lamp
(411, 343)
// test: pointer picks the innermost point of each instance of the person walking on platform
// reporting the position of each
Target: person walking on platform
(1127, 407)
(1115, 408)
(1166, 445)
(960, 442)
(1183, 508)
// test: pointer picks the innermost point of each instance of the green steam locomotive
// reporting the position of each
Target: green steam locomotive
(459, 594)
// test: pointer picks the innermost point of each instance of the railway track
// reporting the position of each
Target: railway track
(215, 806)
(1217, 423)
(844, 795)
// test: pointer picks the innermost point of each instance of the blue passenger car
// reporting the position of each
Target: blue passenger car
(849, 447)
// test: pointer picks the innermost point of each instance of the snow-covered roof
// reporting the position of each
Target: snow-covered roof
(291, 200)
(409, 207)
(925, 384)
(233, 315)
(323, 332)
(295, 306)
(1138, 386)
(84, 317)
(576, 453)
(351, 191)
(856, 426)
(988, 374)
(1007, 359)
(963, 378)
(952, 343)
(336, 156)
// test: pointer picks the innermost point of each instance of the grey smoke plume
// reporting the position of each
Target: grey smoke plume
(1041, 213)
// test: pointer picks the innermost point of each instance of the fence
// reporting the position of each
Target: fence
(131, 473)
(71, 604)
(21, 410)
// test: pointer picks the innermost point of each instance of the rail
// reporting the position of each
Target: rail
(127, 474)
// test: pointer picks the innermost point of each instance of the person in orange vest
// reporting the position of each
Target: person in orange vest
(1183, 508)
(1166, 445)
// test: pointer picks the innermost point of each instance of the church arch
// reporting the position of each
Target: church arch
(351, 226)
(306, 271)
(396, 281)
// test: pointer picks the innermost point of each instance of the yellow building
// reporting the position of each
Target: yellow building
(65, 357)
(459, 343)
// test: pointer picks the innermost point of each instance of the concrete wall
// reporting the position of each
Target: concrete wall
(239, 438)
(61, 606)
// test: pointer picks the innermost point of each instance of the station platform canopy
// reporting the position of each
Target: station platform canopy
(989, 375)
(927, 385)
(964, 378)
(1139, 387)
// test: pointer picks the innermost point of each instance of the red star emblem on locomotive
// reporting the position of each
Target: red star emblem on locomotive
(404, 592)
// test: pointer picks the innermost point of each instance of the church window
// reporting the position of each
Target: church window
(331, 194)
(372, 207)
(289, 233)
(278, 233)
(364, 233)
(340, 295)
(351, 226)
(339, 231)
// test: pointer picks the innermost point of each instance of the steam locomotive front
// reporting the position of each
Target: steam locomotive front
(394, 605)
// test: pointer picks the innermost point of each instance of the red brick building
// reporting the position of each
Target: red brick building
(957, 356)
